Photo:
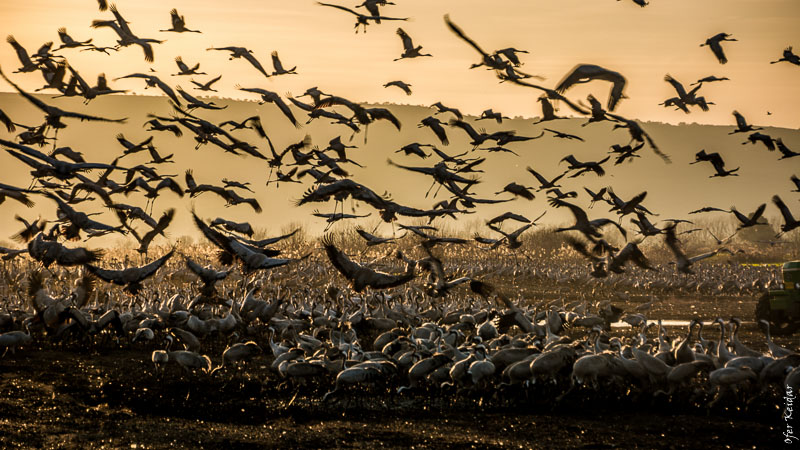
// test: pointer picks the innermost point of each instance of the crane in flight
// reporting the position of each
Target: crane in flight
(54, 114)
(27, 63)
(278, 66)
(206, 86)
(361, 276)
(241, 52)
(716, 160)
(400, 84)
(584, 73)
(186, 70)
(409, 50)
(126, 36)
(362, 19)
(788, 56)
(178, 23)
(741, 124)
(789, 222)
(154, 81)
(715, 44)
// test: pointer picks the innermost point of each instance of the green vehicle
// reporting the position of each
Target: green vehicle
(781, 307)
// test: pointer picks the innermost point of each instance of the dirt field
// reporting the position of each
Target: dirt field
(114, 400)
(111, 397)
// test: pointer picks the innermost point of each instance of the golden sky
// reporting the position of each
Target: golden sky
(644, 44)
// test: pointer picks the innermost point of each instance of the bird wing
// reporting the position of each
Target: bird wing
(181, 65)
(616, 93)
(385, 114)
(788, 218)
(633, 253)
(365, 235)
(123, 24)
(177, 20)
(119, 277)
(580, 247)
(208, 85)
(740, 121)
(276, 62)
(5, 120)
(677, 85)
(718, 52)
(572, 77)
(604, 222)
(408, 45)
(542, 180)
(76, 115)
(343, 8)
(36, 102)
(22, 54)
(632, 203)
(50, 109)
(150, 269)
(29, 151)
(148, 51)
(202, 272)
(286, 111)
(167, 90)
(339, 260)
(440, 132)
(700, 257)
(77, 256)
(552, 94)
(673, 243)
(170, 184)
(758, 213)
(216, 238)
(435, 265)
(716, 160)
(580, 214)
(460, 33)
(515, 234)
(252, 59)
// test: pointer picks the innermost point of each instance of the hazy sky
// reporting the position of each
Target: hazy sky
(644, 44)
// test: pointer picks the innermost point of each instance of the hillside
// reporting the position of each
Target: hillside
(673, 189)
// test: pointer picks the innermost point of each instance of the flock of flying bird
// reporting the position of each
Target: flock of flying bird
(61, 173)
(61, 176)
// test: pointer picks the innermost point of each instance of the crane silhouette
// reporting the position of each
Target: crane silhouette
(788, 56)
(715, 44)
(186, 70)
(584, 73)
(178, 23)
(716, 160)
(278, 66)
(397, 83)
(360, 276)
(789, 222)
(741, 124)
(206, 86)
(241, 52)
(409, 50)
(362, 19)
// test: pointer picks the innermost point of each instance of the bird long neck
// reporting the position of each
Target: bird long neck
(769, 338)
(597, 349)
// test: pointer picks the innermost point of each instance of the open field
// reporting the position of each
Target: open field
(102, 390)
(315, 237)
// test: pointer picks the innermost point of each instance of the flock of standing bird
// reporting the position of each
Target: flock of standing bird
(383, 327)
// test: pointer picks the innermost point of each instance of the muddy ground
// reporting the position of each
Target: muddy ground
(110, 396)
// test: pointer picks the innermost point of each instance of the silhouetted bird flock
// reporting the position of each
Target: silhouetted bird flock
(66, 179)
(62, 180)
